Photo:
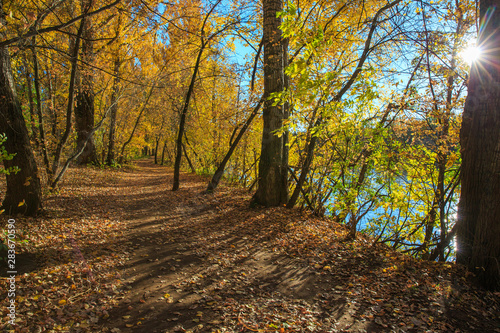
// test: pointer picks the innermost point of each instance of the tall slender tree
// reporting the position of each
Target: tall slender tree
(478, 234)
(110, 159)
(74, 47)
(205, 38)
(273, 168)
(214, 182)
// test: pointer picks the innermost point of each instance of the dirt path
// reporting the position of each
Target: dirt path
(191, 255)
(117, 251)
(209, 263)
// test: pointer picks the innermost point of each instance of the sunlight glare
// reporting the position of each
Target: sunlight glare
(470, 54)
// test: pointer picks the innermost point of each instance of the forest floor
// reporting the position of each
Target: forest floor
(117, 251)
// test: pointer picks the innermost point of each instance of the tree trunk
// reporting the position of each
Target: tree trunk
(178, 145)
(478, 234)
(163, 153)
(156, 150)
(305, 168)
(23, 186)
(78, 152)
(320, 121)
(182, 122)
(212, 185)
(51, 95)
(273, 172)
(84, 114)
(41, 128)
(29, 86)
(191, 166)
(84, 111)
(110, 160)
(71, 98)
(122, 152)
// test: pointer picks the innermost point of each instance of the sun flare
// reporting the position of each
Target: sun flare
(471, 54)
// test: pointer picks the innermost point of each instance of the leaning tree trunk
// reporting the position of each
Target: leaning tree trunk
(273, 168)
(368, 48)
(41, 128)
(182, 121)
(23, 188)
(71, 98)
(214, 182)
(478, 234)
(163, 153)
(84, 110)
(121, 159)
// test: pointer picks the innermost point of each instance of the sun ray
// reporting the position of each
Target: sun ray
(471, 54)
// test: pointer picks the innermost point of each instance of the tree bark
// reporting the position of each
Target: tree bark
(110, 160)
(273, 169)
(163, 153)
(41, 127)
(156, 149)
(71, 98)
(29, 86)
(51, 95)
(168, 155)
(84, 111)
(79, 150)
(122, 152)
(212, 185)
(23, 186)
(204, 43)
(478, 234)
(182, 122)
(193, 170)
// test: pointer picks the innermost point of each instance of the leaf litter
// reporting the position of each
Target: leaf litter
(117, 251)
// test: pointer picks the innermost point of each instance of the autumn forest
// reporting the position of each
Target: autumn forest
(319, 148)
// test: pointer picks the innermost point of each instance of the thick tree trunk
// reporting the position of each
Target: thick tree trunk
(273, 168)
(84, 111)
(110, 160)
(84, 114)
(478, 234)
(23, 186)
(79, 150)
